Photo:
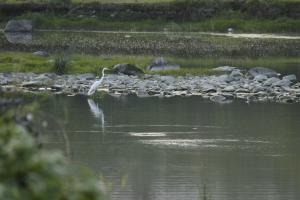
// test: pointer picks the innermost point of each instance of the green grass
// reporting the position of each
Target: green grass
(26, 62)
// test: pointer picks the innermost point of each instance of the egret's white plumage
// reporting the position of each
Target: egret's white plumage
(96, 84)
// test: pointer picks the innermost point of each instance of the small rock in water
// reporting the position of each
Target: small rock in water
(220, 99)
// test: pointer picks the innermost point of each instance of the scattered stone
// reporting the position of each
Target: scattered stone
(41, 53)
(224, 69)
(228, 89)
(220, 99)
(262, 71)
(221, 89)
(260, 78)
(291, 78)
(270, 81)
(18, 26)
(32, 84)
(282, 83)
(208, 88)
(57, 87)
(236, 75)
(87, 76)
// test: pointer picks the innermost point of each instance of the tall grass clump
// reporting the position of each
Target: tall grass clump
(61, 64)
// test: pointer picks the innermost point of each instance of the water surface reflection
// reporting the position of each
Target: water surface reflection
(183, 148)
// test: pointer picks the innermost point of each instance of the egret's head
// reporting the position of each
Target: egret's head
(105, 69)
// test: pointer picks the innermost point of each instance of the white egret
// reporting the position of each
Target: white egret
(97, 83)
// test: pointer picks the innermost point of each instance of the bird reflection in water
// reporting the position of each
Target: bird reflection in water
(97, 112)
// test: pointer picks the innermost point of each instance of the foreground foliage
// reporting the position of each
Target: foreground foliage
(27, 172)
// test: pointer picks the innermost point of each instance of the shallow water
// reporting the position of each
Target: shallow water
(180, 148)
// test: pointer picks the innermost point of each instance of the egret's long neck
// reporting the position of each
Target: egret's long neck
(103, 72)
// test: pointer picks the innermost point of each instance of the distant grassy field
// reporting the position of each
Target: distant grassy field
(248, 16)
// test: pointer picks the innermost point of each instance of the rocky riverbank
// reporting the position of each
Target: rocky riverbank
(256, 85)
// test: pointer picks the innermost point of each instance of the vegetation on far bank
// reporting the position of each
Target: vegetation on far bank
(26, 62)
(257, 16)
(216, 24)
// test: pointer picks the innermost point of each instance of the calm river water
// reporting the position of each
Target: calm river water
(180, 148)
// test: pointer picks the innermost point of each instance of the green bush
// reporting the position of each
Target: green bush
(29, 173)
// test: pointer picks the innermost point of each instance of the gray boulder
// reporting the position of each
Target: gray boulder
(41, 53)
(291, 78)
(282, 83)
(160, 64)
(224, 69)
(270, 81)
(208, 88)
(127, 69)
(220, 99)
(236, 75)
(223, 78)
(18, 26)
(262, 71)
(229, 88)
(87, 76)
(260, 78)
(32, 84)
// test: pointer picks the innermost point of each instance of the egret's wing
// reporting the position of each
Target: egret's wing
(94, 87)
